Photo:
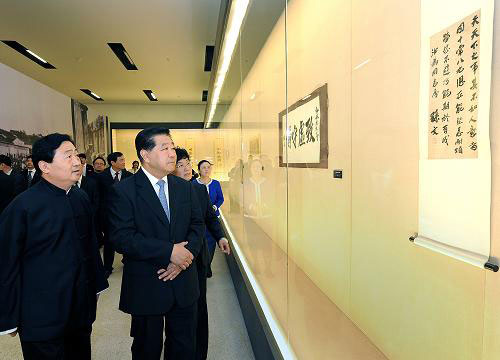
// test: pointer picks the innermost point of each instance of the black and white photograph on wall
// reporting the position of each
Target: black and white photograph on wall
(16, 144)
(90, 138)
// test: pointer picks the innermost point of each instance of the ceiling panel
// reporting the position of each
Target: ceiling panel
(165, 38)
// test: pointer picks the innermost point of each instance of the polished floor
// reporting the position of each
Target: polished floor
(110, 339)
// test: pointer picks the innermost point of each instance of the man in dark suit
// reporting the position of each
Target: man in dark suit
(6, 165)
(28, 177)
(8, 190)
(110, 176)
(7, 182)
(88, 169)
(155, 220)
(89, 185)
(51, 268)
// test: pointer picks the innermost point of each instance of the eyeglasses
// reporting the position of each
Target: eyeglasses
(183, 165)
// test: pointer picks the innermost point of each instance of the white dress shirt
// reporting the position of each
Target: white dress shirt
(156, 187)
(9, 172)
(113, 172)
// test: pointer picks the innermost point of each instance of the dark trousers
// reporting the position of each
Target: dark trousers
(108, 253)
(202, 326)
(211, 253)
(75, 345)
(179, 325)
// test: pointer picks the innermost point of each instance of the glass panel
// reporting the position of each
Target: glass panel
(257, 188)
(264, 185)
(319, 206)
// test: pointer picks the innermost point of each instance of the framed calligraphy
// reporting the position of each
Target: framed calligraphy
(303, 132)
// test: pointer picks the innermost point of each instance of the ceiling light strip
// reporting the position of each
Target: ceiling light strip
(92, 94)
(29, 54)
(235, 20)
(150, 94)
(123, 55)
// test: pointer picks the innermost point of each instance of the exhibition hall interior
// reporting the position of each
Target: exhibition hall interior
(356, 143)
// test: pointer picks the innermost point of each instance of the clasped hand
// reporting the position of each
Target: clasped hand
(180, 260)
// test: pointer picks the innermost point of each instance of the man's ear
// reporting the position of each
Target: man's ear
(144, 155)
(44, 166)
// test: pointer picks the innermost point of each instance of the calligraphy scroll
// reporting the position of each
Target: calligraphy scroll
(219, 154)
(190, 148)
(454, 87)
(304, 132)
(454, 188)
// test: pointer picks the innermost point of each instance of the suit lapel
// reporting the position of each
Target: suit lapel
(172, 202)
(148, 194)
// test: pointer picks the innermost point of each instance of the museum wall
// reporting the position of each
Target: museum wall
(30, 107)
(332, 247)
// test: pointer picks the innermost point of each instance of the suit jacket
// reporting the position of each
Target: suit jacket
(89, 185)
(8, 190)
(211, 221)
(22, 180)
(140, 230)
(51, 267)
(105, 182)
(89, 170)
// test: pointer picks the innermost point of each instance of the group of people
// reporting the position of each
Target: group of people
(158, 218)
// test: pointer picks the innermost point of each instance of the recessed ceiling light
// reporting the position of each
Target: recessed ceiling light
(123, 55)
(151, 96)
(92, 94)
(29, 54)
(209, 56)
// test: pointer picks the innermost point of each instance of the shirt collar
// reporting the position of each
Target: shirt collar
(113, 172)
(202, 183)
(9, 172)
(153, 180)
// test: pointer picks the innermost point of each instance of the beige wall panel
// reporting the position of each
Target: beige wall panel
(412, 303)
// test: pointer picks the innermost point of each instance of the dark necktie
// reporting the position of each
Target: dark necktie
(116, 179)
(30, 178)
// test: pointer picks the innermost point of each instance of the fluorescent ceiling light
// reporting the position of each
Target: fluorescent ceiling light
(123, 55)
(151, 96)
(35, 55)
(28, 53)
(92, 94)
(236, 15)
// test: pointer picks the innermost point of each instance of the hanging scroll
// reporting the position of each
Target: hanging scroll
(454, 87)
(455, 161)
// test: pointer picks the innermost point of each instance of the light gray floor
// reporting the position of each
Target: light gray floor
(111, 340)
